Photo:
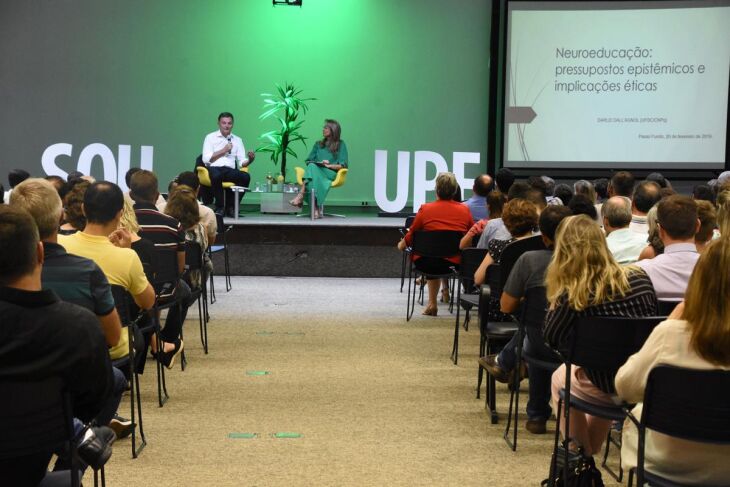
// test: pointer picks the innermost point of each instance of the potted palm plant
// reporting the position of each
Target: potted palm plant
(285, 106)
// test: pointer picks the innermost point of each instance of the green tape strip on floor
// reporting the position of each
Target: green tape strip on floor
(258, 372)
(286, 434)
(244, 436)
(265, 333)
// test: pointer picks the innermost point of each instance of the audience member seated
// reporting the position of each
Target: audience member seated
(703, 192)
(128, 180)
(504, 178)
(646, 195)
(655, 245)
(580, 204)
(15, 177)
(624, 245)
(166, 234)
(477, 204)
(659, 179)
(442, 214)
(144, 248)
(75, 280)
(696, 336)
(723, 212)
(103, 242)
(621, 184)
(182, 204)
(601, 187)
(527, 273)
(678, 224)
(44, 337)
(583, 279)
(73, 215)
(207, 216)
(495, 228)
(495, 202)
(520, 218)
(708, 224)
(550, 196)
(564, 193)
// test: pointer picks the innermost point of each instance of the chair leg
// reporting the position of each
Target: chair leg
(554, 458)
(403, 271)
(455, 348)
(514, 395)
(162, 395)
(609, 439)
(480, 370)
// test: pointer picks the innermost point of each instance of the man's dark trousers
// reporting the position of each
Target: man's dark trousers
(218, 175)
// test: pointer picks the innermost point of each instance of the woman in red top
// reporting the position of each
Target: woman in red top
(442, 214)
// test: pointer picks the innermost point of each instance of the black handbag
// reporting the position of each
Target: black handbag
(582, 471)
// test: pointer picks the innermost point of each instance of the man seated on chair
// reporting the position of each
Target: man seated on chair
(110, 247)
(223, 152)
(166, 233)
(529, 272)
(75, 280)
(678, 223)
(625, 245)
(44, 337)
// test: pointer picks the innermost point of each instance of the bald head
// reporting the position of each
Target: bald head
(616, 213)
(482, 185)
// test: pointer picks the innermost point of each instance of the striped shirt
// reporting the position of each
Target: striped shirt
(639, 301)
(162, 230)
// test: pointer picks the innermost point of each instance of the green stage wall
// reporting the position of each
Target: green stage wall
(150, 77)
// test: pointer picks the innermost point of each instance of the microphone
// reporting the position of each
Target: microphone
(229, 141)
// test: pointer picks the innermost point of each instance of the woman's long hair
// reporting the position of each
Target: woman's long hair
(582, 269)
(723, 212)
(333, 141)
(707, 303)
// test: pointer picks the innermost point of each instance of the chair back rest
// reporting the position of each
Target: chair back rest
(688, 403)
(193, 256)
(513, 251)
(534, 307)
(340, 178)
(604, 344)
(122, 303)
(471, 258)
(165, 272)
(665, 308)
(437, 243)
(35, 417)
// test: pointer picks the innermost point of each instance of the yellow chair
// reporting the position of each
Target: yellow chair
(204, 178)
(339, 180)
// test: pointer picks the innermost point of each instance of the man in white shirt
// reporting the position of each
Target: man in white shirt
(669, 272)
(624, 244)
(646, 195)
(222, 154)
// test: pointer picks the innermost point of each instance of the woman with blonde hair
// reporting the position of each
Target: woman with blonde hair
(583, 279)
(696, 336)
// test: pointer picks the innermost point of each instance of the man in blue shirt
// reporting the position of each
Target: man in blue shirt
(478, 202)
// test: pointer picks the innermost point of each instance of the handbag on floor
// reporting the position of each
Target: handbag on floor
(582, 471)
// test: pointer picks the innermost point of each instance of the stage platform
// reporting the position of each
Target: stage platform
(362, 244)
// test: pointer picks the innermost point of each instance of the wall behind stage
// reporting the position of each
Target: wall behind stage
(140, 82)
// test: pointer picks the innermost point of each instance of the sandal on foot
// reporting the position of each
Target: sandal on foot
(430, 311)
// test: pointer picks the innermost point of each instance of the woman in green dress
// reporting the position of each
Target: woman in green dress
(326, 158)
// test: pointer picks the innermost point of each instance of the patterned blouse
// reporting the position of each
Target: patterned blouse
(638, 302)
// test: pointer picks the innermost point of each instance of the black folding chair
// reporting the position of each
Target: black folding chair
(221, 236)
(193, 263)
(403, 230)
(471, 258)
(495, 334)
(683, 403)
(603, 345)
(665, 308)
(436, 244)
(122, 301)
(532, 314)
(37, 418)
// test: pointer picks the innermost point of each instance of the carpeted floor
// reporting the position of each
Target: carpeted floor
(375, 399)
